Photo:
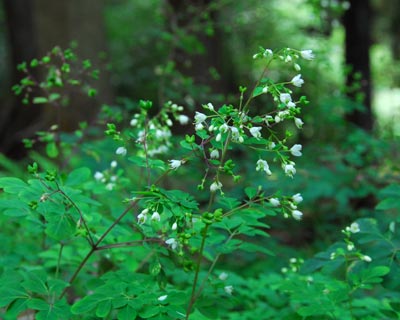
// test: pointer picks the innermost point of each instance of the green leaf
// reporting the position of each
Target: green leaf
(12, 185)
(78, 176)
(251, 192)
(52, 150)
(127, 313)
(38, 304)
(149, 311)
(39, 100)
(389, 203)
(103, 308)
(258, 91)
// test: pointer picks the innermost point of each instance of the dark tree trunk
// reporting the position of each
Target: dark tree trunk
(59, 23)
(16, 120)
(188, 16)
(357, 23)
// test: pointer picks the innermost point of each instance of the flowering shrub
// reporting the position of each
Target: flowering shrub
(141, 228)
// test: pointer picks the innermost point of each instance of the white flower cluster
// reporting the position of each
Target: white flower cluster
(107, 176)
(155, 134)
(289, 204)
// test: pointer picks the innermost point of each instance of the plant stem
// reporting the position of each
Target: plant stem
(193, 295)
(96, 245)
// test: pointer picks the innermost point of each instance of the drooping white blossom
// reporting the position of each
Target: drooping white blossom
(172, 243)
(98, 176)
(214, 154)
(262, 165)
(155, 216)
(142, 217)
(268, 53)
(307, 54)
(285, 98)
(183, 119)
(366, 258)
(121, 151)
(297, 198)
(228, 289)
(162, 298)
(354, 227)
(256, 132)
(223, 276)
(298, 122)
(216, 185)
(275, 202)
(297, 81)
(289, 169)
(175, 164)
(296, 150)
(297, 215)
(200, 117)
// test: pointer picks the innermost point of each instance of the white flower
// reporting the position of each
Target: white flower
(142, 217)
(275, 202)
(277, 119)
(223, 276)
(223, 128)
(255, 132)
(288, 59)
(291, 104)
(298, 122)
(296, 150)
(366, 258)
(350, 247)
(162, 298)
(134, 122)
(175, 164)
(174, 226)
(199, 126)
(289, 169)
(155, 216)
(172, 243)
(263, 165)
(268, 119)
(210, 106)
(285, 98)
(297, 81)
(214, 154)
(297, 198)
(297, 67)
(297, 215)
(271, 145)
(110, 186)
(216, 185)
(98, 176)
(354, 227)
(113, 164)
(218, 137)
(200, 117)
(183, 119)
(307, 54)
(228, 289)
(265, 89)
(268, 52)
(121, 150)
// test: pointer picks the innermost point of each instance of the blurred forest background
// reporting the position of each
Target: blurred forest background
(197, 51)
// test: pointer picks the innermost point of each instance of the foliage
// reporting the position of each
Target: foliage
(147, 224)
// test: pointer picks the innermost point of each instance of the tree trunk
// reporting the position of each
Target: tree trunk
(357, 23)
(212, 65)
(16, 119)
(59, 23)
